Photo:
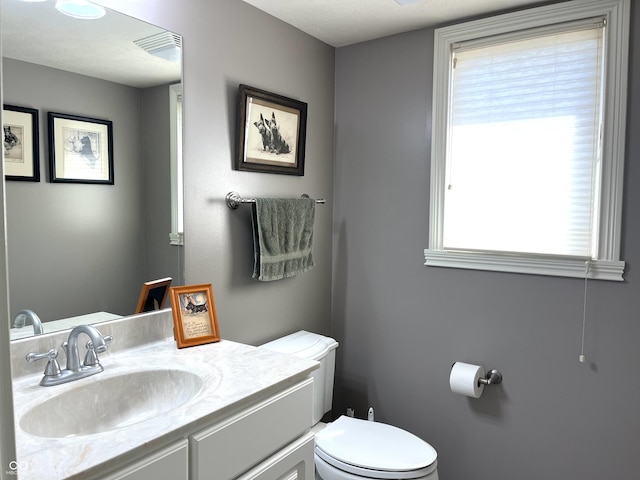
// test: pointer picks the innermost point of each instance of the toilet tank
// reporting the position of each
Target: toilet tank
(315, 347)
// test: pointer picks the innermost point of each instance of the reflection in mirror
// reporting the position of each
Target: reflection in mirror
(82, 249)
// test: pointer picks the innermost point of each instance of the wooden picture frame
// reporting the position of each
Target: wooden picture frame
(153, 295)
(271, 133)
(194, 315)
(80, 149)
(21, 143)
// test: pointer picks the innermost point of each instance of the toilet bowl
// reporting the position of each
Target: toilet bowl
(350, 448)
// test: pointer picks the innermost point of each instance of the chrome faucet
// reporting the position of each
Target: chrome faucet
(20, 321)
(74, 370)
(73, 355)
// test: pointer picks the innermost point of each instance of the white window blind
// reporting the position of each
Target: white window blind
(524, 144)
(528, 136)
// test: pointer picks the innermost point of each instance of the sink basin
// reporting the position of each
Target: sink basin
(110, 403)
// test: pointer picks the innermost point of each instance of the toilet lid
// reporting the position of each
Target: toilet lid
(376, 448)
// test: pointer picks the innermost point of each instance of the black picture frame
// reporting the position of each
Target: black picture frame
(271, 132)
(21, 143)
(80, 149)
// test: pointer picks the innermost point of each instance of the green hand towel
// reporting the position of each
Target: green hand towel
(282, 237)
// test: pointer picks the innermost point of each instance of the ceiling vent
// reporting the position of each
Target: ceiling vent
(165, 45)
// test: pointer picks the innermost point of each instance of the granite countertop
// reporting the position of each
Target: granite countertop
(234, 375)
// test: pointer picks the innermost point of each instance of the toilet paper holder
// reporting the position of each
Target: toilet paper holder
(493, 377)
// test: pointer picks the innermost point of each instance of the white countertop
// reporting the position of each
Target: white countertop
(235, 375)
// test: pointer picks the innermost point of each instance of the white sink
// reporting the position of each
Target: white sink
(110, 403)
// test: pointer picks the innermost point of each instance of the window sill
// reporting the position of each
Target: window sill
(535, 265)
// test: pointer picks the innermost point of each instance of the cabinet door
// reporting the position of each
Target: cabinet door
(170, 462)
(294, 462)
(233, 446)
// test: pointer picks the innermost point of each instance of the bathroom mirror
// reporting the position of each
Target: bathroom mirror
(86, 249)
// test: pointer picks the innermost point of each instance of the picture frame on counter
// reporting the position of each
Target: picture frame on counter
(271, 133)
(80, 149)
(194, 315)
(153, 295)
(21, 143)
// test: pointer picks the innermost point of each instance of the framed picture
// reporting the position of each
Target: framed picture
(271, 133)
(153, 295)
(20, 149)
(194, 315)
(80, 149)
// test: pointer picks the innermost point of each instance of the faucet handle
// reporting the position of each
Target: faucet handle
(52, 368)
(91, 358)
(107, 340)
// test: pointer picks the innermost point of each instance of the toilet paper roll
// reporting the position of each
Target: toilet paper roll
(464, 379)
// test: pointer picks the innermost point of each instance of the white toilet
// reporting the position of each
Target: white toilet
(350, 448)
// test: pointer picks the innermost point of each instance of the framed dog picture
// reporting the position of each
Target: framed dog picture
(80, 149)
(271, 133)
(20, 148)
(153, 295)
(194, 315)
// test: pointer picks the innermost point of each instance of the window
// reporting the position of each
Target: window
(529, 118)
(175, 108)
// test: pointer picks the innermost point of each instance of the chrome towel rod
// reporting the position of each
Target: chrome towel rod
(234, 200)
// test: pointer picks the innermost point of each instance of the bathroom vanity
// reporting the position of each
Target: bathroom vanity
(218, 411)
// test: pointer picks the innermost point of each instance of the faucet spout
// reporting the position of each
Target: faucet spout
(20, 320)
(73, 355)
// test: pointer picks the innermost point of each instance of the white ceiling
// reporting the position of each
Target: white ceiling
(37, 33)
(103, 48)
(344, 22)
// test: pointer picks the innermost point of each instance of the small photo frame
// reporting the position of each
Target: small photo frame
(153, 295)
(80, 149)
(271, 133)
(194, 315)
(20, 150)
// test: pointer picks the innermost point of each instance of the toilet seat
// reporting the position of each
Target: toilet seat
(375, 450)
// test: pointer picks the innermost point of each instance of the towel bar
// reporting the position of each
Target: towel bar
(234, 200)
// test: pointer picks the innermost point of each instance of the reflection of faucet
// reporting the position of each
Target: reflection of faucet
(74, 371)
(20, 321)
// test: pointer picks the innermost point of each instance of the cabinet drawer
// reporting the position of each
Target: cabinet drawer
(294, 462)
(169, 462)
(236, 444)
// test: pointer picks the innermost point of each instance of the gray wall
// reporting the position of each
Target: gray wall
(401, 325)
(59, 235)
(103, 240)
(225, 45)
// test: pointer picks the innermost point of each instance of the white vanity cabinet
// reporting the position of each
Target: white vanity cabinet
(266, 437)
(250, 419)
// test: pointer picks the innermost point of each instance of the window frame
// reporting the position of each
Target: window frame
(176, 236)
(608, 265)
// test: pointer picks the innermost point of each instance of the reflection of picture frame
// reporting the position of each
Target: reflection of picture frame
(20, 148)
(271, 133)
(153, 295)
(80, 149)
(194, 315)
